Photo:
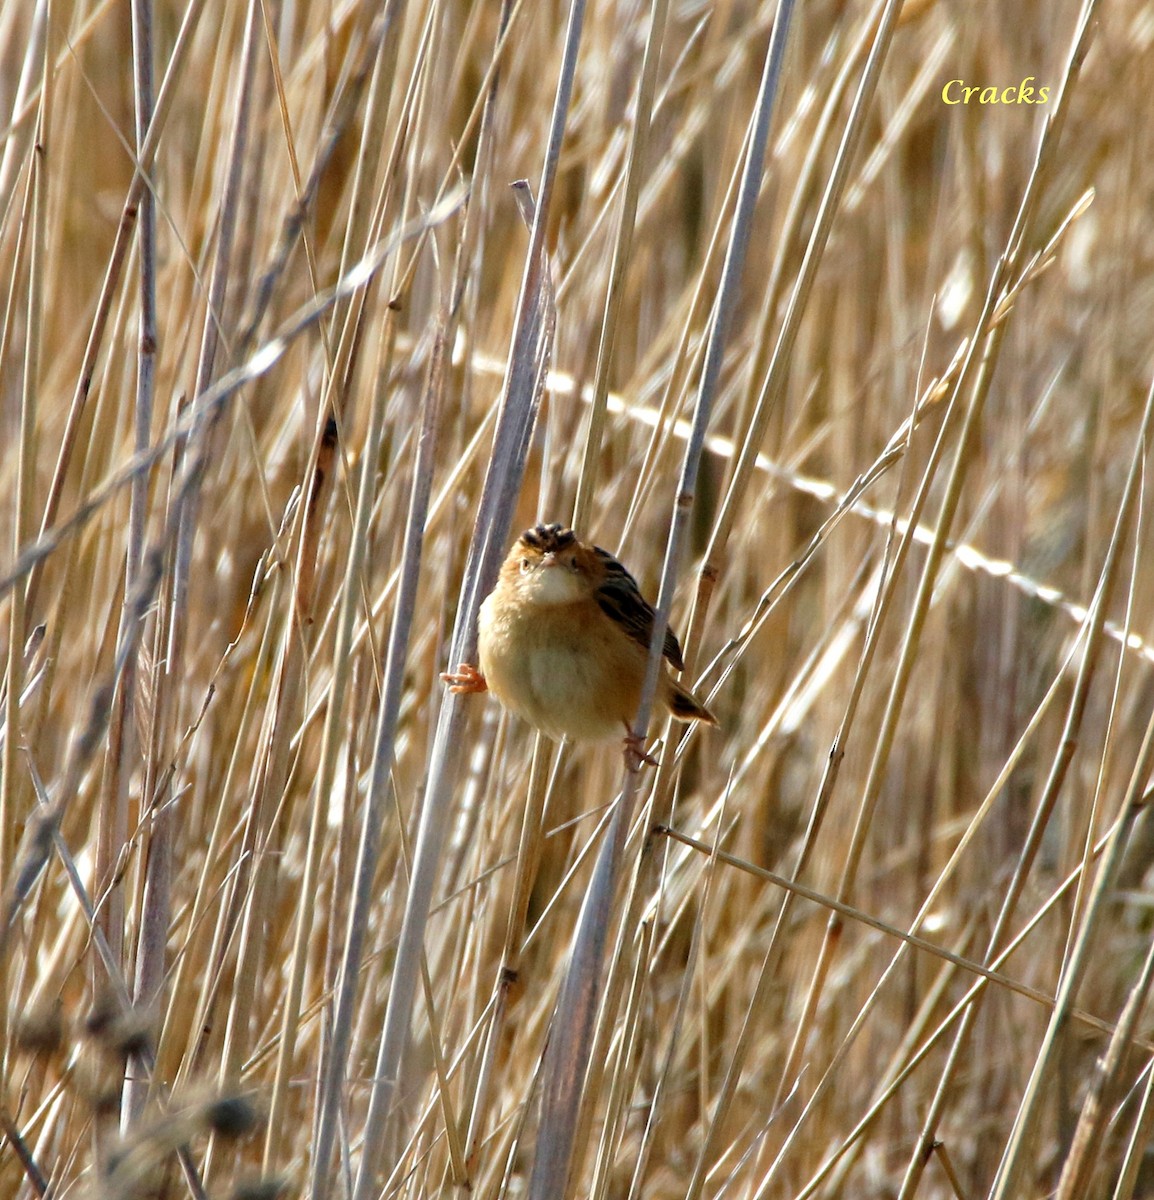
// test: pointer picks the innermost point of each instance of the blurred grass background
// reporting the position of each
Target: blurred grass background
(182, 774)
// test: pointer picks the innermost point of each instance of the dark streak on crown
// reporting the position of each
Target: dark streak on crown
(549, 539)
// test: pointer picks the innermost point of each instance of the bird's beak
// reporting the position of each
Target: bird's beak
(550, 560)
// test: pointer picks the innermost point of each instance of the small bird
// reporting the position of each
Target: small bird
(563, 641)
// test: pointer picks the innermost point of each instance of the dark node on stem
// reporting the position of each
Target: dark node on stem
(41, 1031)
(232, 1116)
(268, 1187)
(100, 1016)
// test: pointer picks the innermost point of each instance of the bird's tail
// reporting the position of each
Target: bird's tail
(685, 706)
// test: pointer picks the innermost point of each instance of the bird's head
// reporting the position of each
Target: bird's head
(549, 565)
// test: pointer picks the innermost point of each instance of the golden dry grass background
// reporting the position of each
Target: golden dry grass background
(187, 772)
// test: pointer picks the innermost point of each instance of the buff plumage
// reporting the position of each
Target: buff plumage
(563, 641)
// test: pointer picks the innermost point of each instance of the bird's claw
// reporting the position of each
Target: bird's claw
(466, 678)
(635, 754)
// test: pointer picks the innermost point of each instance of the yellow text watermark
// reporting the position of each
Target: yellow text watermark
(957, 91)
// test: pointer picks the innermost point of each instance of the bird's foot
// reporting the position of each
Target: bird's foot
(466, 678)
(635, 754)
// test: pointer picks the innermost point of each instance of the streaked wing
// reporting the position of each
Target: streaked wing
(622, 602)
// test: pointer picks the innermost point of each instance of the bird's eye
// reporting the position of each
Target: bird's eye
(526, 566)
(572, 562)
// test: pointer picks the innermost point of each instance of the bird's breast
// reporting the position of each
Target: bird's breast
(562, 668)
